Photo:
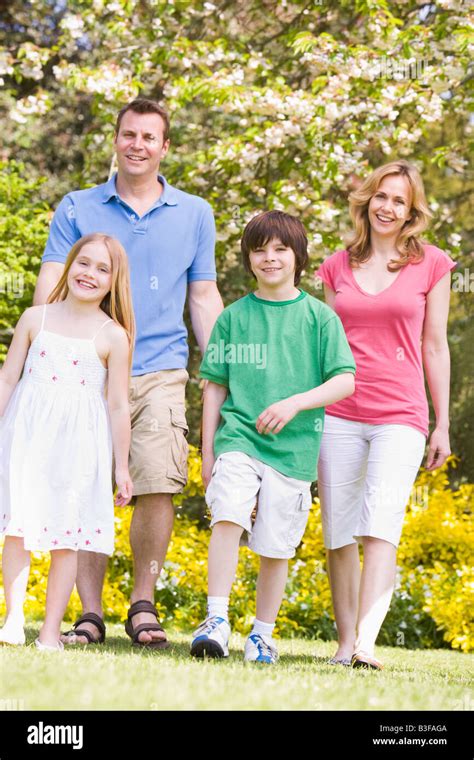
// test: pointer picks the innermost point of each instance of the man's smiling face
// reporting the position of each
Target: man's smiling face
(139, 144)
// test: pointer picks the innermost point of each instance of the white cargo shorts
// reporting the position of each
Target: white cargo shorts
(282, 509)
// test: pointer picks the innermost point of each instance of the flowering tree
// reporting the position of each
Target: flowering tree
(274, 105)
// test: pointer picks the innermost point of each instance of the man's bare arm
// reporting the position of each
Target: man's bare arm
(205, 305)
(48, 278)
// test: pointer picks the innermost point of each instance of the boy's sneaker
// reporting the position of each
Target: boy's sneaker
(259, 648)
(211, 638)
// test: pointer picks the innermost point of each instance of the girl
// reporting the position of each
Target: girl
(391, 291)
(57, 431)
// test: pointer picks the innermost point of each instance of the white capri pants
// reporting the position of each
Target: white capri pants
(365, 476)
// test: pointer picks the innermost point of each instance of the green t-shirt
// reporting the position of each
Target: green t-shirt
(264, 351)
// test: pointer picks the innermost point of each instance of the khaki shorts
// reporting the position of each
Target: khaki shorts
(283, 503)
(158, 460)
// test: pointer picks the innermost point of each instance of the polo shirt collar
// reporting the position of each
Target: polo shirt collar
(168, 196)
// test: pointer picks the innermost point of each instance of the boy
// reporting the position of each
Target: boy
(275, 359)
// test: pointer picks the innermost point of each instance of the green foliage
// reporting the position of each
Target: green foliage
(23, 234)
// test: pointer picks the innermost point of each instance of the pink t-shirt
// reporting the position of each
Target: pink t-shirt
(384, 332)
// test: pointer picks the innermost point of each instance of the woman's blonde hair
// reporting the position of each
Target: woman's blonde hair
(408, 244)
(118, 301)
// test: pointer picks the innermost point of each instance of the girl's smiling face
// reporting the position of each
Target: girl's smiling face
(90, 275)
(389, 208)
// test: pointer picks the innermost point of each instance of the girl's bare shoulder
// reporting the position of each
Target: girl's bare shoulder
(31, 319)
(113, 336)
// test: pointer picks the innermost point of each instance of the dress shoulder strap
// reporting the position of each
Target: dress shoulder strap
(43, 317)
(100, 328)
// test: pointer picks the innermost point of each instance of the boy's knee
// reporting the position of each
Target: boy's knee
(227, 526)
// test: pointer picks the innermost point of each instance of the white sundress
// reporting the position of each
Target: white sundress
(56, 449)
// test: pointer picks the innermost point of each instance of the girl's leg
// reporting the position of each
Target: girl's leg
(344, 579)
(270, 588)
(61, 580)
(223, 557)
(376, 589)
(15, 568)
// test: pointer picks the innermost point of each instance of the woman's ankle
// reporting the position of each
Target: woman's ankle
(344, 650)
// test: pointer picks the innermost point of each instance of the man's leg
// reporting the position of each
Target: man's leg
(91, 569)
(150, 533)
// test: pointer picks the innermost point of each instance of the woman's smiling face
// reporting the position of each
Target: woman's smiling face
(389, 208)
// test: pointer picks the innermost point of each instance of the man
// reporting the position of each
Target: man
(169, 237)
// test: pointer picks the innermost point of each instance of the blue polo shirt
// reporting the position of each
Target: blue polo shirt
(169, 246)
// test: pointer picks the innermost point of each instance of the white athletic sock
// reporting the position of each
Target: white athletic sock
(218, 605)
(264, 629)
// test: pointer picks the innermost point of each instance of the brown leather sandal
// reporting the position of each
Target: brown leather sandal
(88, 617)
(363, 660)
(143, 605)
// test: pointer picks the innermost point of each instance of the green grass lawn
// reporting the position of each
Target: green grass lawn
(118, 678)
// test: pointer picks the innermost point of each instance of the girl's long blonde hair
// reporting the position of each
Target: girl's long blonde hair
(408, 244)
(118, 301)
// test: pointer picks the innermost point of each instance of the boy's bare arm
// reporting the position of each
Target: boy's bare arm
(275, 417)
(214, 397)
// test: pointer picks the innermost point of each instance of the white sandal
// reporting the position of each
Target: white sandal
(47, 648)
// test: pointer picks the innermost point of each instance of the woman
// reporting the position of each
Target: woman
(391, 292)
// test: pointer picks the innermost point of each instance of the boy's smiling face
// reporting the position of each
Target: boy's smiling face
(273, 264)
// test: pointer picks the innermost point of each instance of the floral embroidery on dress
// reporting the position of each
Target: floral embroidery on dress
(54, 378)
(42, 353)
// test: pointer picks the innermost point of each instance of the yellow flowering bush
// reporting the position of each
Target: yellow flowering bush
(436, 554)
(432, 603)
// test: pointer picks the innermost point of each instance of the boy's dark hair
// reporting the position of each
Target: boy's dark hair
(276, 224)
(145, 105)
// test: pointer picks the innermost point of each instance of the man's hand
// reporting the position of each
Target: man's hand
(275, 417)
